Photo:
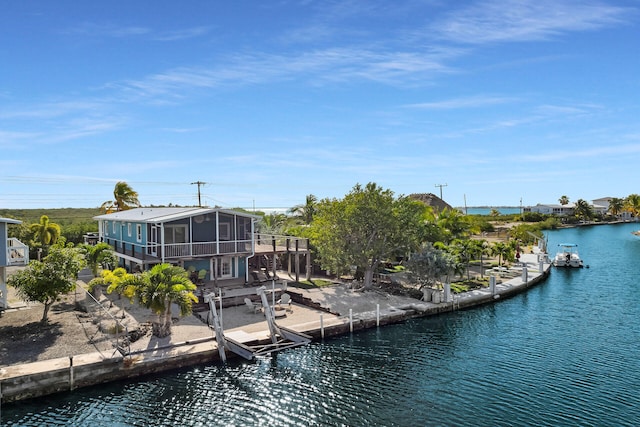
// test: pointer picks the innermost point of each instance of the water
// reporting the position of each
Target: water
(504, 210)
(564, 353)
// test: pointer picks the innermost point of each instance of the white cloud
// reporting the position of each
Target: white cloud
(525, 20)
(467, 102)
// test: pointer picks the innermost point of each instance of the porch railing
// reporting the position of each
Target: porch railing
(180, 250)
(17, 252)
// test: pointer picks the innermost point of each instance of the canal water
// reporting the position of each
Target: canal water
(565, 353)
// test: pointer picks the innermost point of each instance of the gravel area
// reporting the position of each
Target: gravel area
(24, 339)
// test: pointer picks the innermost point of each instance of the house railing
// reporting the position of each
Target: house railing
(179, 250)
(289, 243)
(17, 252)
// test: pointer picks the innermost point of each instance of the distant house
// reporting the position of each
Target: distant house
(12, 253)
(432, 200)
(603, 204)
(220, 243)
(599, 207)
(212, 239)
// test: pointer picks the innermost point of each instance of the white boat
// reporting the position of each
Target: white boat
(567, 256)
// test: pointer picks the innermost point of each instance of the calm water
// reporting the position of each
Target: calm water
(563, 354)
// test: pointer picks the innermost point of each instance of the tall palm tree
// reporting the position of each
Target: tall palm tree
(124, 197)
(306, 212)
(564, 200)
(161, 287)
(45, 232)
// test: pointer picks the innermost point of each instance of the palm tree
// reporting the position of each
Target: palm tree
(503, 250)
(583, 210)
(616, 205)
(272, 223)
(45, 232)
(99, 255)
(564, 200)
(124, 198)
(632, 204)
(161, 287)
(306, 212)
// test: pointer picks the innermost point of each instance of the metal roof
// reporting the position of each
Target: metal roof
(10, 221)
(155, 215)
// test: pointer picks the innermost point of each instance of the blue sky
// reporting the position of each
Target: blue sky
(268, 101)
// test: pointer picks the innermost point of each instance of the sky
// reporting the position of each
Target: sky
(488, 102)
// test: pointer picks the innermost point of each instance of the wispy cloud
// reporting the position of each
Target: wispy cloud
(467, 102)
(592, 152)
(518, 20)
(92, 29)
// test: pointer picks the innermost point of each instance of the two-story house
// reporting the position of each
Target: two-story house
(217, 240)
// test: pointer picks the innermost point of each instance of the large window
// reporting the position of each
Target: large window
(175, 234)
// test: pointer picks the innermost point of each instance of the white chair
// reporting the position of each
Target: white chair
(285, 299)
(253, 306)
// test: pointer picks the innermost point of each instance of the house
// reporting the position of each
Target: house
(599, 207)
(216, 240)
(603, 205)
(220, 243)
(12, 253)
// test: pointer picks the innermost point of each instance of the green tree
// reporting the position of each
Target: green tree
(454, 224)
(366, 227)
(583, 210)
(503, 251)
(159, 288)
(45, 232)
(44, 281)
(616, 206)
(429, 265)
(632, 204)
(124, 198)
(305, 212)
(564, 200)
(100, 255)
(272, 223)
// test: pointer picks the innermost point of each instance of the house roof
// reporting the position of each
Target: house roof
(10, 221)
(156, 215)
(432, 200)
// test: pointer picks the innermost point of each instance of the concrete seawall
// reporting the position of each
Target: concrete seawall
(19, 382)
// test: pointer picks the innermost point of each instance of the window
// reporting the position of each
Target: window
(139, 232)
(225, 231)
(114, 227)
(175, 234)
(129, 229)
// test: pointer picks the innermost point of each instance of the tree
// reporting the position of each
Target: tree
(159, 288)
(632, 204)
(503, 251)
(454, 224)
(429, 265)
(44, 281)
(366, 227)
(45, 232)
(272, 223)
(124, 197)
(583, 210)
(100, 255)
(616, 206)
(305, 212)
(564, 200)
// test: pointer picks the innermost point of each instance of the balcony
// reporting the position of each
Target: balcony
(17, 252)
(180, 250)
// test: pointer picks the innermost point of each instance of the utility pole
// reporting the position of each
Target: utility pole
(441, 185)
(199, 183)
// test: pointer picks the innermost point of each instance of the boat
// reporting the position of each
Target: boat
(567, 256)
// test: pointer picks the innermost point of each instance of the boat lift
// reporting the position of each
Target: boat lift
(281, 337)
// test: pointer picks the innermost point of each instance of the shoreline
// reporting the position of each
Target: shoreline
(319, 313)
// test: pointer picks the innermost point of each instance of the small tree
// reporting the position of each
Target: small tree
(158, 289)
(44, 281)
(45, 232)
(564, 200)
(429, 265)
(100, 255)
